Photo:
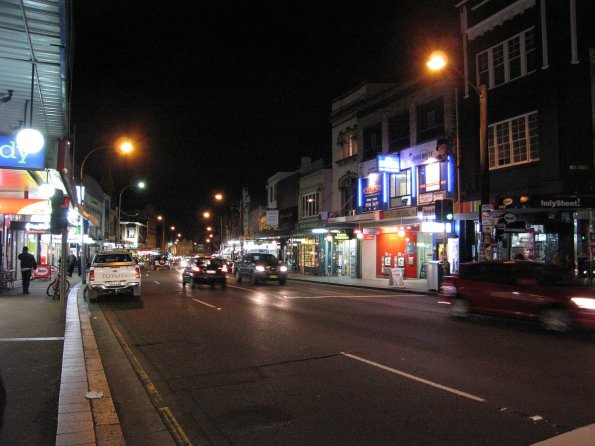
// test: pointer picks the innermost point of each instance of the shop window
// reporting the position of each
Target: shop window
(430, 120)
(372, 141)
(348, 189)
(398, 132)
(514, 141)
(508, 60)
(347, 143)
(400, 188)
(310, 204)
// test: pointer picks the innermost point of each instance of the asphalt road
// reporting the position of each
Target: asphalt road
(318, 364)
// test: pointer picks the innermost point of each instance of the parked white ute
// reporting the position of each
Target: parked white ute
(113, 272)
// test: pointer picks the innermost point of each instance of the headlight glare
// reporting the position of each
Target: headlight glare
(584, 302)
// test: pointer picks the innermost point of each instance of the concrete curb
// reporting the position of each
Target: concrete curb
(82, 418)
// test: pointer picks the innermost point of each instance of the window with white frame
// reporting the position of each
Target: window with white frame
(310, 204)
(515, 141)
(507, 61)
(400, 188)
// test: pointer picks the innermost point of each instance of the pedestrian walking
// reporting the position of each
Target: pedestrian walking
(71, 263)
(28, 264)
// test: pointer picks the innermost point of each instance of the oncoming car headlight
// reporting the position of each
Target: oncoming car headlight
(584, 302)
(259, 268)
(283, 268)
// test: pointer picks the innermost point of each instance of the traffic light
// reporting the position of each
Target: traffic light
(448, 213)
(59, 217)
(444, 210)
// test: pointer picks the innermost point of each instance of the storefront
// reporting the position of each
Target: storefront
(324, 250)
(551, 229)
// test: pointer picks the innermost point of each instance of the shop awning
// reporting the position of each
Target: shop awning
(24, 206)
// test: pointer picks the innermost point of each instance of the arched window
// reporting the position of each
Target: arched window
(348, 190)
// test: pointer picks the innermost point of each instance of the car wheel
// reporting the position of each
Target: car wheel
(238, 277)
(223, 284)
(253, 280)
(555, 319)
(193, 284)
(459, 308)
(212, 285)
(183, 283)
(282, 281)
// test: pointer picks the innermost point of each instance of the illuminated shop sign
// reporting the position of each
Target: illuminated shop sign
(548, 202)
(388, 163)
(372, 192)
(14, 157)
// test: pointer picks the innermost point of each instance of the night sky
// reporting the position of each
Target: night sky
(222, 95)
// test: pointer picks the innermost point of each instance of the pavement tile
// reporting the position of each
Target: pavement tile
(76, 438)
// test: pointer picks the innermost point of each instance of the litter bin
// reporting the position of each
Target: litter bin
(434, 274)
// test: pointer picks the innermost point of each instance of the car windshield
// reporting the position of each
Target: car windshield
(209, 263)
(112, 258)
(268, 259)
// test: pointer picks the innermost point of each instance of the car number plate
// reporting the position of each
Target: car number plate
(273, 276)
(211, 272)
(114, 283)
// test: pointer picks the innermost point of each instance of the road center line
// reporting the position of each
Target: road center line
(415, 378)
(204, 303)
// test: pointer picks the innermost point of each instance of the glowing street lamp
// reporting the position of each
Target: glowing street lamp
(124, 148)
(438, 61)
(139, 185)
(161, 220)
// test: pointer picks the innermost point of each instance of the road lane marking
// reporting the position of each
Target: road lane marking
(415, 378)
(204, 303)
(158, 283)
(168, 418)
(31, 339)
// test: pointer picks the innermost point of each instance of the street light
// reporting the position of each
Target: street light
(139, 185)
(207, 215)
(171, 234)
(161, 220)
(438, 61)
(126, 147)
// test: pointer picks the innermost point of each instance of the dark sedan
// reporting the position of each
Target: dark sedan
(261, 267)
(205, 270)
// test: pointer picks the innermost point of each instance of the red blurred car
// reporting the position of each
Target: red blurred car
(524, 290)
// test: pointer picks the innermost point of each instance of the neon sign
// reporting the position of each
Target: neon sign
(14, 157)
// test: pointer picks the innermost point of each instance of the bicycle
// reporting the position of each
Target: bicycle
(54, 287)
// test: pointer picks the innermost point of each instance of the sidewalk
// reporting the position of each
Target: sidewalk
(52, 371)
(417, 286)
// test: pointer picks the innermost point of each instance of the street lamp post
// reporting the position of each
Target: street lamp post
(125, 148)
(140, 185)
(162, 244)
(438, 61)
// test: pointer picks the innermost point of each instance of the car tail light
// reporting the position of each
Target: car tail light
(92, 275)
(137, 271)
(196, 269)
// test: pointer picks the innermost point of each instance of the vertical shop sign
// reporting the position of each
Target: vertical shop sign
(371, 193)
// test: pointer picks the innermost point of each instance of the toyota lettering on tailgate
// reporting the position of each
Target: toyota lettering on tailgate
(113, 276)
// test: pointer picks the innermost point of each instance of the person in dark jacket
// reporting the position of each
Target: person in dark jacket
(28, 264)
